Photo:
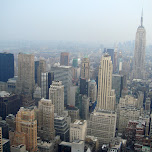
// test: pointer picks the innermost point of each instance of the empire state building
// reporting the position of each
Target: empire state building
(139, 53)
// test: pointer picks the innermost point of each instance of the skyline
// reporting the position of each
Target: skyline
(99, 21)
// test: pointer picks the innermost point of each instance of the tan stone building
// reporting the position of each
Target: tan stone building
(78, 130)
(56, 95)
(102, 124)
(106, 95)
(26, 130)
(26, 73)
(64, 58)
(85, 68)
(46, 129)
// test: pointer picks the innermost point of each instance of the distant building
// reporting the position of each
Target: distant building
(102, 124)
(41, 68)
(78, 130)
(73, 112)
(85, 107)
(117, 85)
(64, 74)
(26, 74)
(9, 104)
(84, 86)
(75, 63)
(46, 120)
(85, 69)
(92, 91)
(11, 84)
(64, 58)
(111, 53)
(6, 66)
(139, 52)
(46, 81)
(56, 95)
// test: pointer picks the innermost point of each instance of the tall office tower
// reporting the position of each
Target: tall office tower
(115, 64)
(139, 53)
(6, 66)
(26, 130)
(78, 130)
(64, 58)
(56, 95)
(36, 63)
(26, 73)
(111, 53)
(118, 85)
(106, 95)
(1, 145)
(40, 69)
(9, 104)
(46, 81)
(102, 124)
(85, 69)
(85, 107)
(46, 129)
(84, 84)
(64, 74)
(92, 92)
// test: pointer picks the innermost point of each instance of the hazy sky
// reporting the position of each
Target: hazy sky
(105, 21)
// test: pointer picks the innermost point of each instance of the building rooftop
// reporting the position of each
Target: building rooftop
(79, 122)
(4, 141)
(4, 94)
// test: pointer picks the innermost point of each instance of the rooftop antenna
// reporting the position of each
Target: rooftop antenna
(142, 17)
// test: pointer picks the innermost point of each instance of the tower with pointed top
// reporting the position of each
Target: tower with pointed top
(139, 52)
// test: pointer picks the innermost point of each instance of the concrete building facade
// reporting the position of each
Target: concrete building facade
(46, 129)
(78, 130)
(56, 95)
(85, 69)
(26, 73)
(106, 96)
(102, 124)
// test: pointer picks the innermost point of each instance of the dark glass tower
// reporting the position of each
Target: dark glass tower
(6, 66)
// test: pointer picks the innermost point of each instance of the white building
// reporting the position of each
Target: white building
(78, 130)
(106, 96)
(56, 94)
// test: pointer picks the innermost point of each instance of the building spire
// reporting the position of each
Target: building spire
(142, 17)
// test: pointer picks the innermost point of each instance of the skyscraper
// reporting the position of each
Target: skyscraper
(106, 96)
(6, 66)
(41, 68)
(26, 73)
(46, 120)
(64, 58)
(64, 74)
(56, 95)
(46, 81)
(85, 68)
(139, 52)
(26, 129)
